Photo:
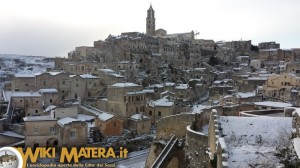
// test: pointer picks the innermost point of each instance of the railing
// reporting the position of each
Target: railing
(165, 152)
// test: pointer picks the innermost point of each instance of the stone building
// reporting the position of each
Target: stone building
(243, 47)
(49, 96)
(268, 45)
(125, 99)
(140, 124)
(72, 132)
(40, 131)
(160, 108)
(107, 123)
(283, 87)
(24, 103)
(23, 82)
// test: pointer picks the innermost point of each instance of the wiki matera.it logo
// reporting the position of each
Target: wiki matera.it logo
(10, 158)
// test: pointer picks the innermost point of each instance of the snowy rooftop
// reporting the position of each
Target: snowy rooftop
(51, 107)
(11, 134)
(182, 86)
(88, 76)
(253, 140)
(103, 116)
(39, 118)
(125, 85)
(66, 120)
(169, 84)
(9, 94)
(163, 102)
(136, 92)
(138, 117)
(24, 75)
(50, 90)
(246, 94)
(273, 104)
(84, 117)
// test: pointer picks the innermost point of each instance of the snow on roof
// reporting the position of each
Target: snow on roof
(12, 134)
(66, 120)
(135, 92)
(24, 75)
(169, 84)
(103, 116)
(273, 104)
(39, 118)
(84, 117)
(245, 95)
(148, 90)
(247, 136)
(88, 76)
(50, 90)
(25, 94)
(182, 86)
(54, 73)
(124, 85)
(138, 117)
(107, 70)
(117, 75)
(296, 143)
(51, 107)
(157, 85)
(163, 102)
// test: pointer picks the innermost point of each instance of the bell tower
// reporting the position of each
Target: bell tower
(150, 21)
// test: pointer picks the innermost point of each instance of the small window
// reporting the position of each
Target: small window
(73, 134)
(37, 101)
(95, 84)
(77, 84)
(50, 100)
(44, 83)
(52, 129)
(115, 124)
(26, 84)
(35, 130)
(159, 113)
(21, 101)
(63, 82)
(150, 113)
(36, 111)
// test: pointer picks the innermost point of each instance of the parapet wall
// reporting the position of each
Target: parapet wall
(255, 113)
(174, 124)
(195, 148)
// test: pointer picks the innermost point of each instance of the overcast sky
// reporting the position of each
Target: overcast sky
(55, 27)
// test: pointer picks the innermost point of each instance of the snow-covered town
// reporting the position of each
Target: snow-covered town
(172, 100)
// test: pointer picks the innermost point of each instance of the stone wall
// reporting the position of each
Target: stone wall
(195, 147)
(174, 124)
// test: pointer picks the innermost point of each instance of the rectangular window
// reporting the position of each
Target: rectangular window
(35, 130)
(26, 84)
(73, 134)
(44, 83)
(77, 85)
(63, 82)
(159, 113)
(52, 129)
